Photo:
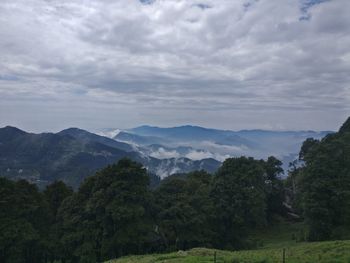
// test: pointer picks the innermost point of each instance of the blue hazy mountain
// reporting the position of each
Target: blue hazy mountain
(202, 142)
(196, 133)
(140, 139)
(190, 133)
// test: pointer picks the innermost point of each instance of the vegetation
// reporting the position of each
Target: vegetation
(116, 213)
(25, 218)
(322, 185)
(321, 252)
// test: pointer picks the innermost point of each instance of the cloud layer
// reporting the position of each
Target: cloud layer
(230, 64)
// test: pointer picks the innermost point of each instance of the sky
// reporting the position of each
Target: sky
(228, 64)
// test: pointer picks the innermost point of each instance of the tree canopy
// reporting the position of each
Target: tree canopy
(323, 184)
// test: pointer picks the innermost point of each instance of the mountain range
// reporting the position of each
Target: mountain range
(195, 142)
(73, 154)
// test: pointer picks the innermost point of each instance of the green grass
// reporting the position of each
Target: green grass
(281, 234)
(271, 241)
(330, 252)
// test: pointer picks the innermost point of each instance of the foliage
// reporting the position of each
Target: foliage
(24, 220)
(323, 183)
(116, 213)
(274, 188)
(240, 193)
(55, 193)
(109, 216)
(185, 211)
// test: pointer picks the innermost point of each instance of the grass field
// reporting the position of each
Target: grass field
(282, 234)
(271, 241)
(330, 252)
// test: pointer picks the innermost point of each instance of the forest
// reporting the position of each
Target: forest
(116, 212)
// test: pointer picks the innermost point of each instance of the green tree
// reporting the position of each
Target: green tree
(274, 189)
(240, 200)
(55, 193)
(24, 220)
(324, 183)
(185, 211)
(109, 216)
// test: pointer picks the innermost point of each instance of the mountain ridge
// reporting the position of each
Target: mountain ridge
(73, 154)
(226, 130)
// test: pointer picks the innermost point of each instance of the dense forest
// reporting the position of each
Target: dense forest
(116, 212)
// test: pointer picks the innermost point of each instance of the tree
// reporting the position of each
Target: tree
(109, 216)
(275, 194)
(324, 183)
(55, 194)
(239, 198)
(24, 220)
(184, 211)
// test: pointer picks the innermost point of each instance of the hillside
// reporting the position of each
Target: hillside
(44, 158)
(321, 252)
(73, 154)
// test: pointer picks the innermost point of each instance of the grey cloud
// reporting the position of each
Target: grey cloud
(168, 61)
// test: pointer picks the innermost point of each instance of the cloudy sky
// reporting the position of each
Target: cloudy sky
(234, 64)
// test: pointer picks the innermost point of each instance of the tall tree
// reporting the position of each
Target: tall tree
(239, 198)
(110, 214)
(55, 193)
(324, 183)
(185, 211)
(24, 220)
(275, 194)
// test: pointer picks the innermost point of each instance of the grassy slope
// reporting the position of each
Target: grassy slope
(273, 240)
(281, 234)
(333, 251)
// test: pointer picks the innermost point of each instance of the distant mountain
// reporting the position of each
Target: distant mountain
(73, 154)
(190, 133)
(139, 139)
(196, 133)
(218, 144)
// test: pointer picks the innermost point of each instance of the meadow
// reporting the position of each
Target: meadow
(322, 252)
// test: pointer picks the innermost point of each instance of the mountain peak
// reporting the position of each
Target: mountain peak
(9, 133)
(12, 129)
(73, 132)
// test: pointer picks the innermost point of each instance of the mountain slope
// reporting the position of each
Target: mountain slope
(86, 136)
(74, 154)
(43, 158)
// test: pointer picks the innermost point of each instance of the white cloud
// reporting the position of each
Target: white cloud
(200, 155)
(162, 153)
(236, 64)
(109, 133)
